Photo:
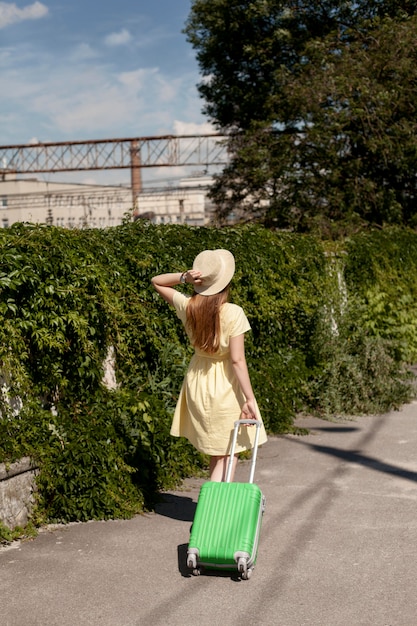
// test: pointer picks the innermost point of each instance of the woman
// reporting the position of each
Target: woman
(216, 390)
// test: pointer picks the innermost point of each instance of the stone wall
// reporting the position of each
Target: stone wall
(17, 487)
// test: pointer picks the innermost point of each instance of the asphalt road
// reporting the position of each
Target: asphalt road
(338, 545)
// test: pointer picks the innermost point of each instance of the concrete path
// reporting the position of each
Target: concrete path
(338, 545)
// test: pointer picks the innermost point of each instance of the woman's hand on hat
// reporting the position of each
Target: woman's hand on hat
(193, 277)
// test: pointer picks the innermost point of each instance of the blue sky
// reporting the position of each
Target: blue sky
(93, 69)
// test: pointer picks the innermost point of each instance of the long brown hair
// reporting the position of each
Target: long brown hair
(203, 320)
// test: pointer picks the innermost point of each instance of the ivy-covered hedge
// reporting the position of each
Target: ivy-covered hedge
(381, 268)
(67, 297)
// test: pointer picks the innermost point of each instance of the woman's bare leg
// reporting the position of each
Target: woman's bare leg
(218, 468)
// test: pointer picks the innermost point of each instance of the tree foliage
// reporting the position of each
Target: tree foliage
(318, 99)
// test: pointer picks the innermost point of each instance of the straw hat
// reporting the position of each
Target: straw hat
(217, 268)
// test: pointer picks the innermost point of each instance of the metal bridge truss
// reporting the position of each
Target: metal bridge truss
(106, 154)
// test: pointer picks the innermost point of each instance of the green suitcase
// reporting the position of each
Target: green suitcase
(227, 523)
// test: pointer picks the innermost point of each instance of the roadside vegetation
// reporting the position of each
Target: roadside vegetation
(317, 101)
(334, 331)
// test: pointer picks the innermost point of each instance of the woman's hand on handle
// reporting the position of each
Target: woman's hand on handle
(249, 411)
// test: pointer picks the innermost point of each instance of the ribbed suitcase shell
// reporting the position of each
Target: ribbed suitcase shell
(226, 524)
(227, 521)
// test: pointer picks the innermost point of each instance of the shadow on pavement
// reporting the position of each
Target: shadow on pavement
(176, 507)
(335, 429)
(182, 561)
(352, 456)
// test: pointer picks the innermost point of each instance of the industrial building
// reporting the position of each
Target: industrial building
(75, 205)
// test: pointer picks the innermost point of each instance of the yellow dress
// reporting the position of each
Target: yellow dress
(210, 400)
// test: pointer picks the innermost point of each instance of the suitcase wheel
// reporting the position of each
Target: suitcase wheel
(246, 575)
(192, 561)
(242, 565)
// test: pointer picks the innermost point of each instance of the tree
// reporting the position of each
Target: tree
(357, 156)
(318, 101)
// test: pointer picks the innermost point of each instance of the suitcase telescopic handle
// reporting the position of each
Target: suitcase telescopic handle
(238, 424)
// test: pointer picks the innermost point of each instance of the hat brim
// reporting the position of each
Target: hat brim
(223, 277)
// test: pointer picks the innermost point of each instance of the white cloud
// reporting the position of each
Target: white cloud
(10, 13)
(189, 128)
(151, 80)
(118, 39)
(84, 102)
(137, 79)
(169, 89)
(84, 52)
(77, 96)
(5, 56)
